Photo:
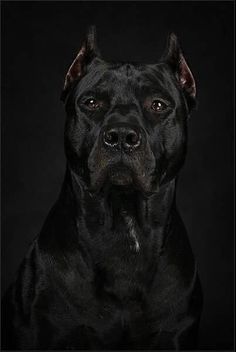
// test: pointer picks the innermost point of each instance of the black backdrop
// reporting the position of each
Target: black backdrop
(39, 41)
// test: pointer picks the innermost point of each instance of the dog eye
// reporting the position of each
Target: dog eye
(93, 104)
(159, 105)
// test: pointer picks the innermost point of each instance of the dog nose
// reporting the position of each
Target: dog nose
(122, 138)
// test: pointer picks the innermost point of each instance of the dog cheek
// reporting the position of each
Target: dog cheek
(74, 136)
(144, 165)
(97, 163)
(175, 149)
(176, 138)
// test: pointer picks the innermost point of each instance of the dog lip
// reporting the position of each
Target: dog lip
(120, 167)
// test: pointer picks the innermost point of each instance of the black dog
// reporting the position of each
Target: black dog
(112, 267)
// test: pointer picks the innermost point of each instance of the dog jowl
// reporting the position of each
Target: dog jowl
(112, 267)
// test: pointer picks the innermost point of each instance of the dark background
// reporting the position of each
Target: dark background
(39, 41)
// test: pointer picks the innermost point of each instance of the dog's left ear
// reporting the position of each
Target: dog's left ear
(175, 59)
(86, 54)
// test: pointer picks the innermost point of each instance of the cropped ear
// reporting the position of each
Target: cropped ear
(86, 54)
(174, 57)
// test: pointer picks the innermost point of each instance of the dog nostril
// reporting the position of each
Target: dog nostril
(121, 137)
(132, 139)
(111, 137)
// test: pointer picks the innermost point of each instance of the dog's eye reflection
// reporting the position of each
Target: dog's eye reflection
(159, 105)
(93, 104)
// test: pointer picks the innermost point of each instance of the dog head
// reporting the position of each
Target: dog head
(127, 122)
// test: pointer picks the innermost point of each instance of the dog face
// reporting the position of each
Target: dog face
(126, 123)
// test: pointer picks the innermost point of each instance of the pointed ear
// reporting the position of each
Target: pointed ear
(86, 54)
(174, 57)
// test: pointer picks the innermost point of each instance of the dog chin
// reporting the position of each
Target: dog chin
(107, 178)
(120, 176)
(125, 179)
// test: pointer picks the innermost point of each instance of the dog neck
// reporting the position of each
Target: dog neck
(120, 211)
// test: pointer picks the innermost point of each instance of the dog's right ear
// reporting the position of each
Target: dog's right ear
(86, 54)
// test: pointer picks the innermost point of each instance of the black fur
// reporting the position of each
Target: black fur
(112, 267)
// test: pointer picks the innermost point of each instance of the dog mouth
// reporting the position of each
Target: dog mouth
(122, 176)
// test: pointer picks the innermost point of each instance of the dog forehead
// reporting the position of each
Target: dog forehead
(115, 78)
